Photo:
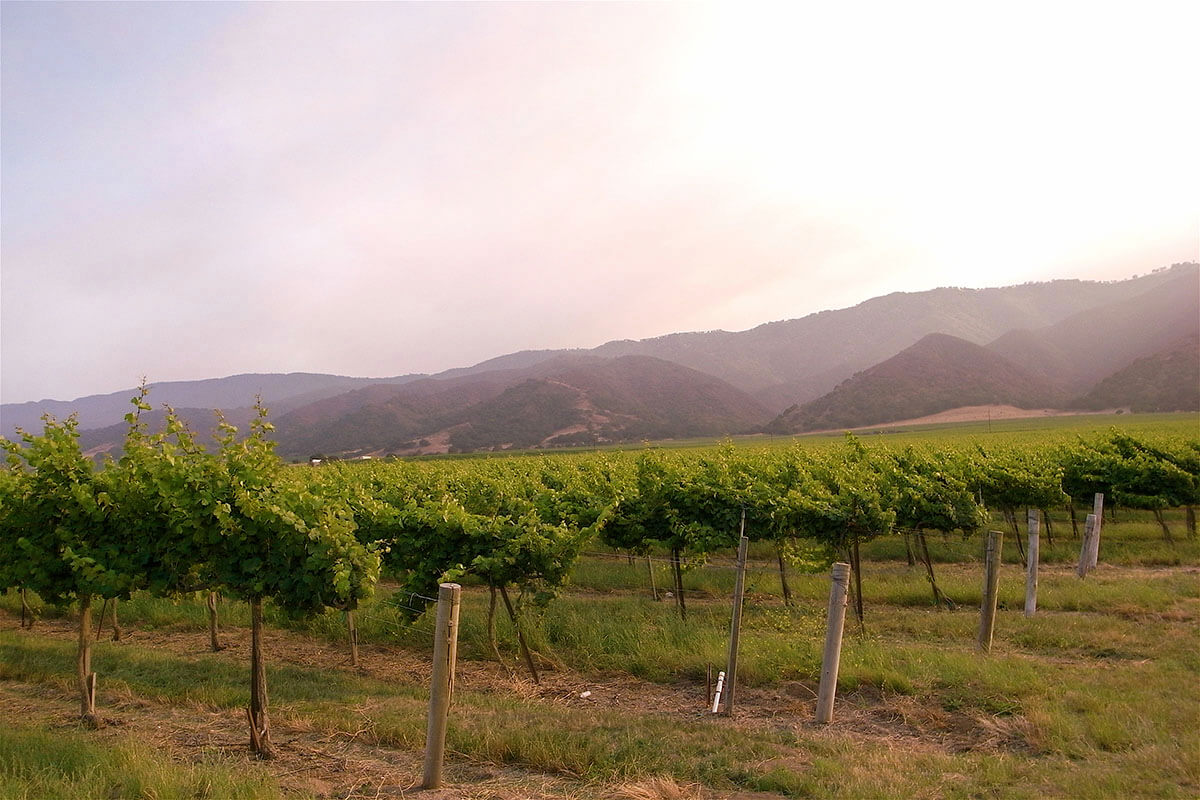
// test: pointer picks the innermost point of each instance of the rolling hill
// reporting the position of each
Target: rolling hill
(1168, 380)
(937, 373)
(568, 400)
(1087, 347)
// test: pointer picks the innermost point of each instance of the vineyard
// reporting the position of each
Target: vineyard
(596, 614)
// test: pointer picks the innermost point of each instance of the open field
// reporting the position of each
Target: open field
(1096, 696)
(1008, 429)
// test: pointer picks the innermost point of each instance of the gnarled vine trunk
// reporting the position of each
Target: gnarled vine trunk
(83, 664)
(512, 615)
(939, 597)
(856, 565)
(491, 630)
(352, 635)
(27, 616)
(213, 641)
(783, 582)
(678, 569)
(1167, 537)
(260, 726)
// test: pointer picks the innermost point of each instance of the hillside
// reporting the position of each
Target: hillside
(1068, 333)
(577, 400)
(783, 363)
(1089, 346)
(937, 373)
(1168, 380)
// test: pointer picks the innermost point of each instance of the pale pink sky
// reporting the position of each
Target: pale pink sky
(198, 190)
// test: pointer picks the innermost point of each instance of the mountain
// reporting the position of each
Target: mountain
(567, 400)
(782, 363)
(1088, 346)
(1168, 380)
(1069, 333)
(937, 373)
(280, 392)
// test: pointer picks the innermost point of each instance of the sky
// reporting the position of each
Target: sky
(194, 190)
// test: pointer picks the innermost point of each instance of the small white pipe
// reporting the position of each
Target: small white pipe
(717, 696)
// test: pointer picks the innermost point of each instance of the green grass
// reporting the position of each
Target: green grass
(37, 763)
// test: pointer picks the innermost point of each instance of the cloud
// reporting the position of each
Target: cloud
(194, 190)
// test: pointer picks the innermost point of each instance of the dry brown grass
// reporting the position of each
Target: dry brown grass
(658, 789)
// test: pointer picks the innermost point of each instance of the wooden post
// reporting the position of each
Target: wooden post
(991, 582)
(650, 569)
(1085, 549)
(1098, 510)
(735, 625)
(838, 595)
(1093, 551)
(1031, 568)
(445, 655)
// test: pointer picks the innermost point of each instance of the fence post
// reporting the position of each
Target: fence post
(1031, 570)
(735, 626)
(830, 660)
(445, 654)
(1085, 549)
(991, 582)
(1094, 544)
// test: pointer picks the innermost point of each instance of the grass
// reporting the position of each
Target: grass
(1095, 696)
(36, 764)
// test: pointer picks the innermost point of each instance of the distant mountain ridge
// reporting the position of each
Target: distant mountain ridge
(1061, 337)
(280, 392)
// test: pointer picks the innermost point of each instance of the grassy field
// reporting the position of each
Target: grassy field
(1097, 696)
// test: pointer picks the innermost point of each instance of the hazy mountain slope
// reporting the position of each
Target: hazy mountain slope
(780, 363)
(1168, 380)
(565, 400)
(1086, 347)
(280, 392)
(803, 358)
(937, 373)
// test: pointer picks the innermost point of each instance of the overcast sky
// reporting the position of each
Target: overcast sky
(198, 190)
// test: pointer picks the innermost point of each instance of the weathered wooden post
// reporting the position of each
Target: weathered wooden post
(1031, 568)
(1085, 549)
(735, 625)
(991, 582)
(1094, 544)
(445, 655)
(831, 659)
